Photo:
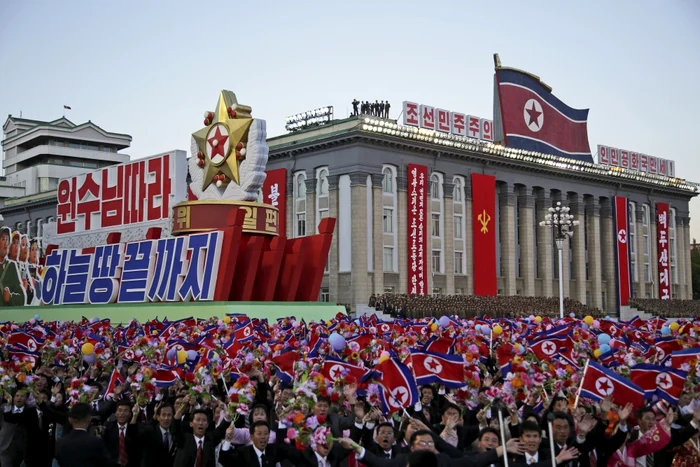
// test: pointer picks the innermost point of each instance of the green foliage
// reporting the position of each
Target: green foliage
(695, 262)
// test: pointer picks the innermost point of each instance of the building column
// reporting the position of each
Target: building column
(544, 244)
(507, 221)
(688, 261)
(311, 205)
(654, 258)
(469, 236)
(527, 258)
(578, 249)
(333, 265)
(378, 232)
(641, 276)
(448, 246)
(402, 225)
(358, 265)
(594, 269)
(608, 255)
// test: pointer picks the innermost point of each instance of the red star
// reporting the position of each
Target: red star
(664, 381)
(534, 115)
(604, 387)
(432, 364)
(217, 143)
(549, 347)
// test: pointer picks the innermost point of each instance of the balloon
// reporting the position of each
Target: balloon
(89, 358)
(584, 326)
(227, 319)
(498, 330)
(87, 348)
(596, 324)
(605, 348)
(674, 326)
(383, 359)
(172, 354)
(520, 349)
(538, 319)
(597, 353)
(181, 356)
(665, 331)
(385, 354)
(36, 316)
(572, 315)
(337, 342)
(191, 355)
(478, 328)
(444, 321)
(588, 320)
(486, 330)
(603, 339)
(433, 327)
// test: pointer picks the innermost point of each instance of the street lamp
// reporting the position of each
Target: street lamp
(562, 224)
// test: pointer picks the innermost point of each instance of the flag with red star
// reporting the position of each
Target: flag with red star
(399, 388)
(433, 367)
(666, 383)
(548, 347)
(528, 116)
(599, 382)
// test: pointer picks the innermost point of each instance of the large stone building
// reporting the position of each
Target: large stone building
(356, 171)
(37, 154)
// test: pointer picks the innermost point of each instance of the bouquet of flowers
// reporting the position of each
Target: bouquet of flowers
(199, 384)
(142, 384)
(79, 391)
(241, 396)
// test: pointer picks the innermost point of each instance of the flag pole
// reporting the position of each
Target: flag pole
(580, 386)
(503, 437)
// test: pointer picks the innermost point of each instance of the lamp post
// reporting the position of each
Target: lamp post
(562, 224)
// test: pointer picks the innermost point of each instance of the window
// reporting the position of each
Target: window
(457, 191)
(458, 227)
(645, 214)
(47, 184)
(322, 183)
(388, 221)
(632, 237)
(324, 295)
(437, 291)
(459, 291)
(434, 187)
(459, 266)
(436, 225)
(388, 289)
(388, 259)
(301, 187)
(301, 224)
(388, 181)
(437, 256)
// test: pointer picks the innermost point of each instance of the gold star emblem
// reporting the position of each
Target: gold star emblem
(223, 139)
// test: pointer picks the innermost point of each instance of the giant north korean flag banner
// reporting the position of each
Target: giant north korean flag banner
(528, 116)
(623, 259)
(484, 233)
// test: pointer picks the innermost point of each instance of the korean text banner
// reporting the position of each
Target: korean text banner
(484, 234)
(663, 250)
(623, 265)
(275, 194)
(417, 230)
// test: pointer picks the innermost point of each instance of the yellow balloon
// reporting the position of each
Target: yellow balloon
(383, 359)
(181, 356)
(597, 353)
(588, 320)
(433, 326)
(87, 348)
(538, 319)
(674, 326)
(227, 319)
(497, 329)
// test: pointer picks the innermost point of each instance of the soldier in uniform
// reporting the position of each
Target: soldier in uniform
(354, 107)
(386, 109)
(10, 285)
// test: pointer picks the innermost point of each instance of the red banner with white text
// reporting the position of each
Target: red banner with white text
(623, 258)
(275, 194)
(663, 251)
(484, 234)
(417, 230)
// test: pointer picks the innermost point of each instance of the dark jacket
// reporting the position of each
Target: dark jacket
(110, 435)
(155, 452)
(79, 449)
(186, 455)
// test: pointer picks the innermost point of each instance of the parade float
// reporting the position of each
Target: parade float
(137, 240)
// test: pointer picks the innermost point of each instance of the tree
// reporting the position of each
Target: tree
(695, 262)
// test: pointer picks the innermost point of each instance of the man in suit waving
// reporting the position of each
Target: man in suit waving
(198, 448)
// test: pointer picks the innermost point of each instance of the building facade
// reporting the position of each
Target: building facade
(37, 154)
(356, 171)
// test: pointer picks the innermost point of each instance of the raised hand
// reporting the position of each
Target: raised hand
(567, 455)
(625, 412)
(606, 404)
(230, 432)
(514, 446)
(585, 425)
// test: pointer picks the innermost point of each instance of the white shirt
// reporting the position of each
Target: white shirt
(532, 459)
(198, 441)
(122, 429)
(258, 453)
(16, 409)
(321, 460)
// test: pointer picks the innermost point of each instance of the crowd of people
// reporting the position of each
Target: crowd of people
(667, 308)
(470, 306)
(453, 391)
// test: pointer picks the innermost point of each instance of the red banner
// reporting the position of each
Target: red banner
(623, 258)
(662, 248)
(484, 233)
(417, 230)
(275, 194)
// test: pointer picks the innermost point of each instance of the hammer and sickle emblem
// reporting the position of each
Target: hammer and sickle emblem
(484, 220)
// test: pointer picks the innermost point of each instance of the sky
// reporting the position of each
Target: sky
(151, 69)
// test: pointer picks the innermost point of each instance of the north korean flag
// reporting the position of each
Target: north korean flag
(599, 382)
(665, 383)
(433, 367)
(665, 346)
(25, 341)
(530, 117)
(442, 344)
(684, 356)
(24, 356)
(165, 377)
(244, 331)
(399, 388)
(546, 348)
(335, 368)
(115, 380)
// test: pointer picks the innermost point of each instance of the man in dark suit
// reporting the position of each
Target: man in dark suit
(78, 448)
(197, 449)
(536, 454)
(338, 423)
(159, 446)
(381, 445)
(258, 454)
(122, 437)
